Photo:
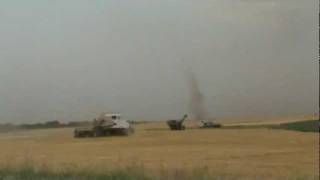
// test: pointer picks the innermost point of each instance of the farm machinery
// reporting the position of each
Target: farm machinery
(177, 124)
(209, 124)
(105, 125)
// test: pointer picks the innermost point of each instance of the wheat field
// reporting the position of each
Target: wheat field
(237, 152)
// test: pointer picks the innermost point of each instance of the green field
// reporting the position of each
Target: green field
(304, 126)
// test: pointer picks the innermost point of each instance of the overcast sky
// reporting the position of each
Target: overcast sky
(72, 59)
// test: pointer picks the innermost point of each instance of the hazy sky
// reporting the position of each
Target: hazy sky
(72, 59)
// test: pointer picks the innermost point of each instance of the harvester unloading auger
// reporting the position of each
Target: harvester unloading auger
(177, 124)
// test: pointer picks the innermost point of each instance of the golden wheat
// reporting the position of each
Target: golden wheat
(246, 152)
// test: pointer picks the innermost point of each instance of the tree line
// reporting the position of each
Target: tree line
(49, 124)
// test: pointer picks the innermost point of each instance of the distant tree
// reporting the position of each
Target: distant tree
(53, 124)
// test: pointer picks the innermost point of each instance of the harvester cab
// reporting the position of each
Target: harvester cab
(107, 120)
(177, 124)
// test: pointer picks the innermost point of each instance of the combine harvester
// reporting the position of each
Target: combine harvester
(105, 125)
(177, 124)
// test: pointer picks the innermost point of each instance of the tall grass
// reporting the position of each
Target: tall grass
(29, 173)
(130, 173)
